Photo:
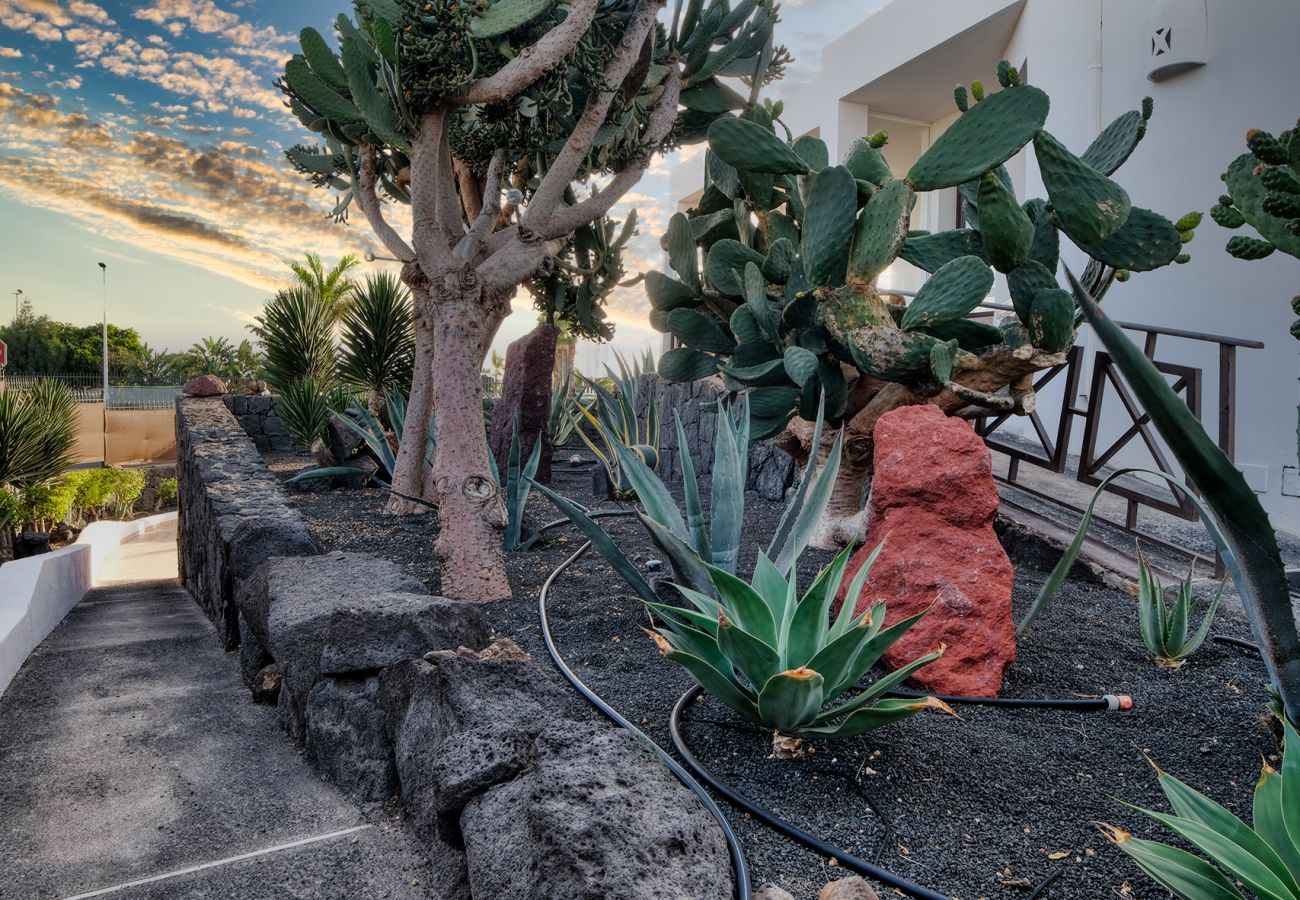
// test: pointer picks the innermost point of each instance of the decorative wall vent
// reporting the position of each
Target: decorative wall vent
(1179, 34)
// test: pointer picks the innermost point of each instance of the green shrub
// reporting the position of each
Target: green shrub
(167, 490)
(93, 488)
(9, 508)
(129, 485)
(47, 504)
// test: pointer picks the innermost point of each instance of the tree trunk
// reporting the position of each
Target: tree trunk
(470, 507)
(408, 470)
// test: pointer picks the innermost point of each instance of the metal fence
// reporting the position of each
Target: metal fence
(89, 388)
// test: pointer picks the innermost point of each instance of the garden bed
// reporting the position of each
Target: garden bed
(988, 805)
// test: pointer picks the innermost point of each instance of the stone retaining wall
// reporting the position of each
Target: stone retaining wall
(260, 418)
(511, 785)
(234, 515)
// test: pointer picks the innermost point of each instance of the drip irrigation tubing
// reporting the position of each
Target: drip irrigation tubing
(1237, 642)
(1107, 703)
(597, 514)
(761, 813)
(738, 863)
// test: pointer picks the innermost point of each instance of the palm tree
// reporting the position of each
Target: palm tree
(38, 435)
(332, 287)
(208, 356)
(155, 366)
(378, 337)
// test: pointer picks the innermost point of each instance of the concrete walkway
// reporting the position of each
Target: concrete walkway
(134, 765)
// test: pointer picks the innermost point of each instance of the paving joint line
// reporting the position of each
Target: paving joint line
(265, 851)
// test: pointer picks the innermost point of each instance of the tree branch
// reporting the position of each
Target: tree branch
(565, 167)
(489, 208)
(658, 125)
(471, 194)
(449, 215)
(532, 62)
(368, 200)
(430, 246)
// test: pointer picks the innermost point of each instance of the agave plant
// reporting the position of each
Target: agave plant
(615, 420)
(684, 537)
(1264, 859)
(777, 658)
(1165, 630)
(367, 426)
(516, 486)
(565, 412)
(305, 406)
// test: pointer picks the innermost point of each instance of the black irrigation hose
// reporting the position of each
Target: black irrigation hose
(772, 820)
(1237, 642)
(743, 889)
(598, 514)
(1108, 703)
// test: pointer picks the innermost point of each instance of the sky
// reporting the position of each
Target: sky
(149, 136)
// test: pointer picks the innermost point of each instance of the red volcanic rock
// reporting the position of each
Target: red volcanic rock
(932, 502)
(204, 386)
(526, 392)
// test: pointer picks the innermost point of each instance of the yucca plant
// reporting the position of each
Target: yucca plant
(38, 433)
(377, 340)
(305, 409)
(1165, 630)
(614, 416)
(1264, 859)
(777, 658)
(296, 331)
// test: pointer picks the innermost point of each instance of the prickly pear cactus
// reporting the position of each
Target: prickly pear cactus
(1264, 193)
(786, 308)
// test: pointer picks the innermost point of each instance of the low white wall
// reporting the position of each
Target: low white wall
(36, 593)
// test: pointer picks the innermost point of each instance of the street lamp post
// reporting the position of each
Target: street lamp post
(17, 297)
(103, 270)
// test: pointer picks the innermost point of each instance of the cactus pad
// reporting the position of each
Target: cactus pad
(971, 335)
(950, 293)
(1005, 229)
(892, 354)
(983, 137)
(1051, 320)
(813, 152)
(931, 251)
(1025, 283)
(881, 230)
(317, 94)
(1046, 245)
(867, 163)
(667, 293)
(1088, 205)
(828, 226)
(1227, 216)
(1116, 143)
(724, 266)
(800, 364)
(752, 148)
(700, 331)
(1147, 241)
(1248, 194)
(682, 255)
(1249, 248)
(507, 15)
(685, 364)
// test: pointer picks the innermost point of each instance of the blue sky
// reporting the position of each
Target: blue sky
(148, 136)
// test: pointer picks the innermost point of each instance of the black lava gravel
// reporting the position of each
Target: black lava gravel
(987, 805)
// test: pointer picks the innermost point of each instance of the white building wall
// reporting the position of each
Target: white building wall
(1200, 121)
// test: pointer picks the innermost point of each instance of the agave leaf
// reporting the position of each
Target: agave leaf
(602, 542)
(845, 617)
(1268, 817)
(755, 659)
(687, 566)
(811, 512)
(705, 603)
(872, 651)
(697, 643)
(811, 620)
(696, 531)
(649, 487)
(743, 605)
(860, 721)
(790, 699)
(1175, 869)
(1178, 617)
(730, 457)
(833, 660)
(1249, 544)
(1148, 614)
(1191, 646)
(785, 525)
(1240, 859)
(770, 584)
(1291, 784)
(728, 690)
(326, 472)
(697, 620)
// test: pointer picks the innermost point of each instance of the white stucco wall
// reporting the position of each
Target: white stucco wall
(1199, 125)
(38, 592)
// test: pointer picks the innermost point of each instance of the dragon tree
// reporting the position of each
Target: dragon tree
(786, 307)
(487, 118)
